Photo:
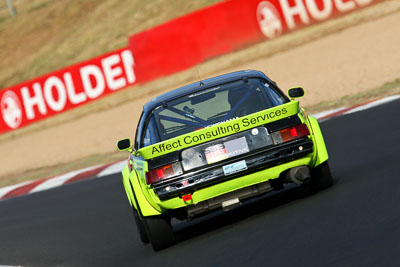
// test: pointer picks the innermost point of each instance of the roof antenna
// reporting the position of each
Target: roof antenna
(198, 75)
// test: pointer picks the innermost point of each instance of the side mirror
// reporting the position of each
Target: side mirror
(296, 92)
(124, 144)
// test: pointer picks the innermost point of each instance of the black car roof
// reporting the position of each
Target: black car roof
(198, 86)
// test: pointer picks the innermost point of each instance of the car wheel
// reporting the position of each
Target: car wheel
(321, 176)
(140, 228)
(159, 231)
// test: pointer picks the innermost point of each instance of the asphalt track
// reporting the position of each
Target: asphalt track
(354, 223)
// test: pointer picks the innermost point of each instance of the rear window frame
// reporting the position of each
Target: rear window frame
(267, 97)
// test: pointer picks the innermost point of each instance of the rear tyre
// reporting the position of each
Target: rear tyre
(140, 228)
(321, 178)
(159, 231)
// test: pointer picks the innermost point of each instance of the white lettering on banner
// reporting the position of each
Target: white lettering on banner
(363, 2)
(344, 5)
(31, 101)
(56, 83)
(72, 95)
(318, 14)
(127, 59)
(11, 109)
(111, 71)
(92, 91)
(55, 92)
(297, 10)
(269, 20)
(293, 8)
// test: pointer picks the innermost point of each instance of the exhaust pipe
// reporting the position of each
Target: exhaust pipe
(299, 175)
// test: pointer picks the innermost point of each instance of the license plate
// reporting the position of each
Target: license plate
(235, 167)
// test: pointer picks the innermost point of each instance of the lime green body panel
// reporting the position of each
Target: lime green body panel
(127, 186)
(136, 196)
(144, 199)
(319, 143)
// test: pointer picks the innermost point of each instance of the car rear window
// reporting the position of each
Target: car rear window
(209, 107)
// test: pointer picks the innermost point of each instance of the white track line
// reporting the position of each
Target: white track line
(59, 180)
(112, 169)
(326, 113)
(374, 104)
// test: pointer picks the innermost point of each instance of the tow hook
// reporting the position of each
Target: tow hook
(186, 197)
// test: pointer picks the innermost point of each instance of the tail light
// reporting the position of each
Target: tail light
(164, 172)
(289, 134)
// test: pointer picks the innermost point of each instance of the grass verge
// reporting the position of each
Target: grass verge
(387, 89)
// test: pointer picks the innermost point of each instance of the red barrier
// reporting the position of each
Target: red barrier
(65, 89)
(226, 26)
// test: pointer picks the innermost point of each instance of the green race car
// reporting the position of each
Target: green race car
(212, 144)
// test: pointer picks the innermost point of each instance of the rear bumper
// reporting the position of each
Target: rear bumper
(256, 162)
